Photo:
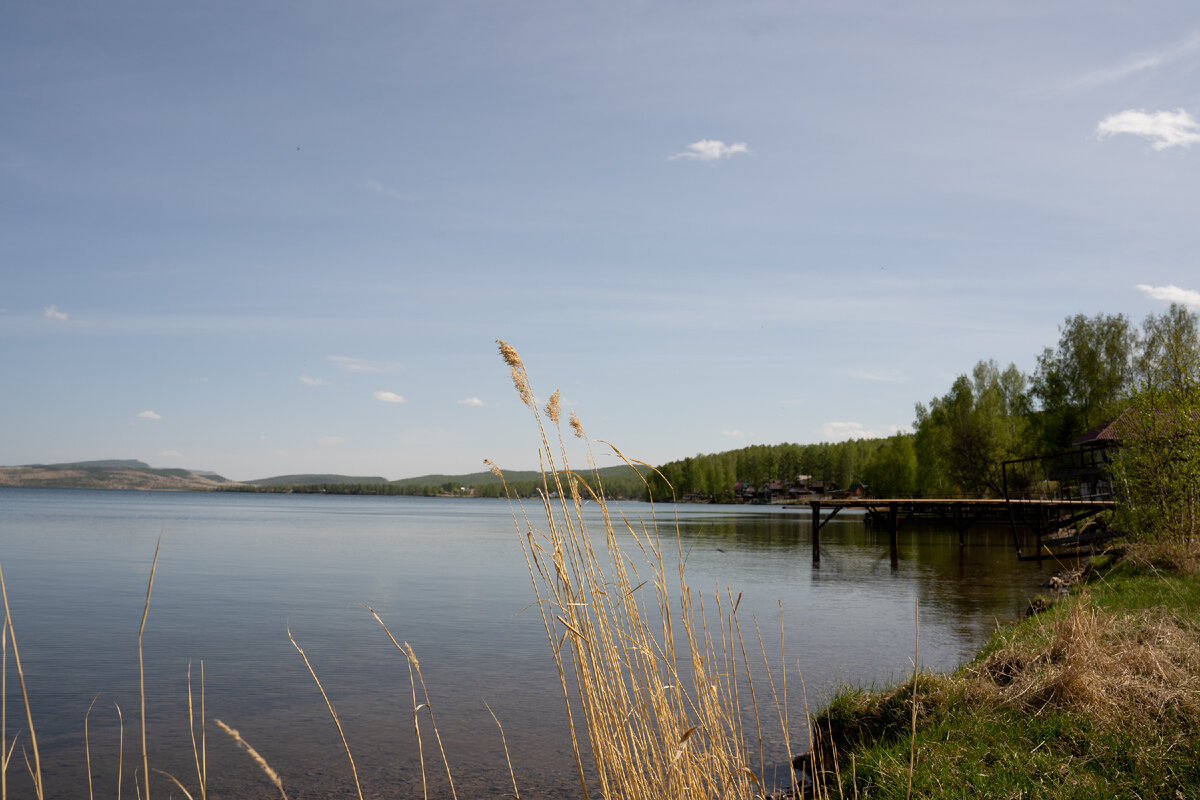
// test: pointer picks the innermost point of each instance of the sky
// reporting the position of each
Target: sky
(282, 237)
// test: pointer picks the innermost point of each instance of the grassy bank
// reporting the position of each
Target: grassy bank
(1096, 696)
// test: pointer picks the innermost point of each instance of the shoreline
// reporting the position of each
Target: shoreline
(1096, 691)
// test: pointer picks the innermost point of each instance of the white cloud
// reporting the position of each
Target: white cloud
(52, 312)
(733, 434)
(313, 381)
(199, 380)
(169, 454)
(1172, 294)
(1163, 128)
(351, 364)
(841, 431)
(331, 440)
(711, 150)
(389, 397)
(471, 401)
(262, 437)
(149, 415)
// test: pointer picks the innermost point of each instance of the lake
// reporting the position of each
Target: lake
(446, 575)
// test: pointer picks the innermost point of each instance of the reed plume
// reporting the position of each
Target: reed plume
(635, 651)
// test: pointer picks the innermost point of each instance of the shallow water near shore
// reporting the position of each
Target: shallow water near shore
(447, 576)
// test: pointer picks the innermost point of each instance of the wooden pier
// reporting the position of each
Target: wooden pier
(1040, 517)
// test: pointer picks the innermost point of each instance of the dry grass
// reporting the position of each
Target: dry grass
(654, 674)
(1115, 669)
(1177, 555)
(271, 774)
(199, 742)
(1099, 696)
(35, 769)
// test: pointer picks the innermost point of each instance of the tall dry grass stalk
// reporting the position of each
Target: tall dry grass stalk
(87, 746)
(653, 675)
(4, 753)
(199, 753)
(35, 770)
(507, 758)
(142, 671)
(414, 675)
(912, 748)
(120, 748)
(271, 774)
(332, 712)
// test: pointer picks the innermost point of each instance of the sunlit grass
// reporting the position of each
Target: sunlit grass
(1097, 697)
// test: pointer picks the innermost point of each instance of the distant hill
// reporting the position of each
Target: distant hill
(514, 476)
(112, 463)
(312, 480)
(134, 474)
(111, 474)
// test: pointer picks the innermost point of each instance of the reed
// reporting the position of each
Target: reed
(142, 674)
(35, 769)
(414, 675)
(271, 774)
(653, 676)
(199, 753)
(332, 713)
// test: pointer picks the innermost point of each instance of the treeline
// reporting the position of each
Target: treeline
(716, 476)
(615, 483)
(1101, 366)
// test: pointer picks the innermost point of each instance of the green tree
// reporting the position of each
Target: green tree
(1079, 384)
(1156, 469)
(892, 469)
(963, 436)
(1169, 356)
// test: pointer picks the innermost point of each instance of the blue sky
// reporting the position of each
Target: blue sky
(266, 238)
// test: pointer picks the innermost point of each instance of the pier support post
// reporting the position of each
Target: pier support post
(893, 531)
(816, 532)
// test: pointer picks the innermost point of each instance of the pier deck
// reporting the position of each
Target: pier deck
(1041, 517)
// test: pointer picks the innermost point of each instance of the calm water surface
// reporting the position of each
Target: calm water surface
(448, 577)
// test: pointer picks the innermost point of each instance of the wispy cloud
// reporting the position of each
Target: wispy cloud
(878, 376)
(351, 364)
(471, 401)
(379, 188)
(389, 397)
(733, 433)
(313, 381)
(1172, 294)
(1146, 60)
(841, 431)
(52, 312)
(149, 415)
(711, 150)
(331, 440)
(169, 454)
(1164, 129)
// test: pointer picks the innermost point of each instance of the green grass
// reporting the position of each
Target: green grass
(1097, 697)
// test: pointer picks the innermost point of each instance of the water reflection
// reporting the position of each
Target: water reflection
(448, 576)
